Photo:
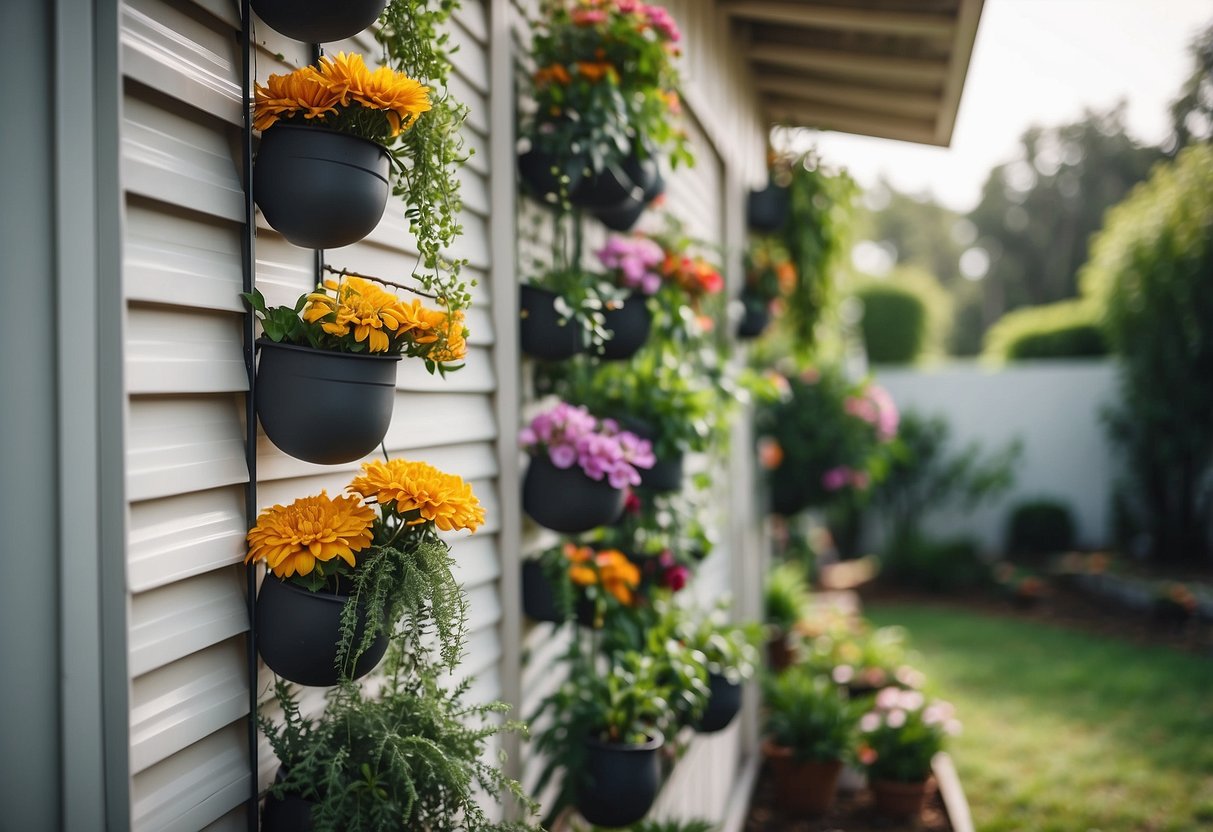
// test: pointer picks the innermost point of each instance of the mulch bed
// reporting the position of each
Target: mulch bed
(1067, 608)
(852, 812)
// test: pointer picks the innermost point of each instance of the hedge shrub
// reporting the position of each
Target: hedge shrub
(1069, 329)
(1039, 527)
(894, 323)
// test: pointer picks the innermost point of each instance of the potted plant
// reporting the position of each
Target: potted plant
(342, 570)
(769, 274)
(786, 602)
(605, 101)
(560, 314)
(833, 438)
(580, 468)
(322, 174)
(899, 737)
(414, 755)
(326, 379)
(810, 729)
(730, 656)
(603, 738)
(319, 21)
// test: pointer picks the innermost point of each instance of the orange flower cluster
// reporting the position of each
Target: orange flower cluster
(595, 71)
(420, 493)
(341, 81)
(555, 72)
(694, 275)
(610, 568)
(359, 308)
(293, 539)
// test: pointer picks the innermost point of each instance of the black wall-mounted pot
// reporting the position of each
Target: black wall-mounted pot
(566, 500)
(767, 210)
(620, 782)
(724, 702)
(319, 21)
(629, 323)
(756, 316)
(543, 332)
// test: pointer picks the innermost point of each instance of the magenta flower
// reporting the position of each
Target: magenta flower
(573, 436)
(836, 479)
(676, 577)
(636, 260)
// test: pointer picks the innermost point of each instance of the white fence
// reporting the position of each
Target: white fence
(1053, 407)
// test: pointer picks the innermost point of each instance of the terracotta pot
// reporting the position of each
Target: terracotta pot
(802, 787)
(779, 654)
(899, 800)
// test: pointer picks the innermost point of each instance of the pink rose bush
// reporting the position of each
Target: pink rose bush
(573, 436)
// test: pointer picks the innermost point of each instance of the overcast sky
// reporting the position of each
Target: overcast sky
(1039, 61)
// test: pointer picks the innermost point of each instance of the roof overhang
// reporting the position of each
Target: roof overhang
(888, 68)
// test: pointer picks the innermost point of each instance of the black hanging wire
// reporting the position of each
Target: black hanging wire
(249, 275)
(318, 256)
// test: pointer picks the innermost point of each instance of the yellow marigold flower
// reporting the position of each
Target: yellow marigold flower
(291, 539)
(401, 98)
(303, 90)
(454, 345)
(445, 499)
(358, 304)
(610, 567)
(580, 573)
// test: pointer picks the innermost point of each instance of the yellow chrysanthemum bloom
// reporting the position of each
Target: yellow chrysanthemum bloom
(401, 98)
(408, 487)
(610, 567)
(303, 90)
(454, 344)
(358, 304)
(291, 539)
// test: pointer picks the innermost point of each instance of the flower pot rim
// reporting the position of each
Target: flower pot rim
(263, 342)
(547, 457)
(656, 740)
(319, 595)
(318, 129)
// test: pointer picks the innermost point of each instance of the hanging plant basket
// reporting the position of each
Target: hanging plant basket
(665, 475)
(321, 406)
(629, 324)
(755, 318)
(538, 595)
(541, 173)
(546, 334)
(319, 188)
(319, 21)
(767, 210)
(288, 814)
(724, 703)
(646, 174)
(621, 782)
(298, 632)
(566, 500)
(802, 787)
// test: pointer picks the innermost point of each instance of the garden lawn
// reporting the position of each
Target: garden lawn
(1068, 731)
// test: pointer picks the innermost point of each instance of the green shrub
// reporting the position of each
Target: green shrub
(1069, 329)
(1152, 267)
(1040, 527)
(894, 323)
(946, 566)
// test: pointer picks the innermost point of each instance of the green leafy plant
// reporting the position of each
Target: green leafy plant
(786, 596)
(901, 733)
(413, 756)
(807, 713)
(1040, 527)
(894, 323)
(413, 37)
(729, 649)
(947, 565)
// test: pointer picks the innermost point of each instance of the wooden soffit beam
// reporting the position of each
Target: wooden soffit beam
(788, 12)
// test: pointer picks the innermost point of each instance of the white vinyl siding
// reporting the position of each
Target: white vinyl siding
(185, 374)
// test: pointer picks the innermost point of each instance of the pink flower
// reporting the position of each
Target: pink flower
(842, 674)
(887, 417)
(636, 260)
(571, 435)
(662, 22)
(888, 698)
(631, 503)
(896, 718)
(589, 17)
(675, 578)
(869, 722)
(836, 478)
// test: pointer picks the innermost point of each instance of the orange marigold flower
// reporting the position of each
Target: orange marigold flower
(595, 71)
(292, 539)
(420, 493)
(555, 72)
(302, 91)
(398, 96)
(359, 305)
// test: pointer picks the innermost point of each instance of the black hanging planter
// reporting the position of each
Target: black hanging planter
(321, 406)
(319, 21)
(541, 173)
(623, 216)
(566, 500)
(291, 813)
(665, 475)
(629, 324)
(646, 175)
(298, 632)
(538, 595)
(620, 782)
(755, 318)
(724, 702)
(767, 210)
(319, 188)
(545, 334)
(605, 189)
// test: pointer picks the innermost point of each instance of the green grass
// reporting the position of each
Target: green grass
(1067, 731)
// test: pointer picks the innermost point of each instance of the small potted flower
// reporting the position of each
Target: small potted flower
(319, 21)
(605, 106)
(769, 275)
(603, 738)
(634, 263)
(322, 174)
(326, 379)
(730, 655)
(898, 739)
(786, 603)
(809, 731)
(580, 468)
(341, 571)
(561, 313)
(578, 581)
